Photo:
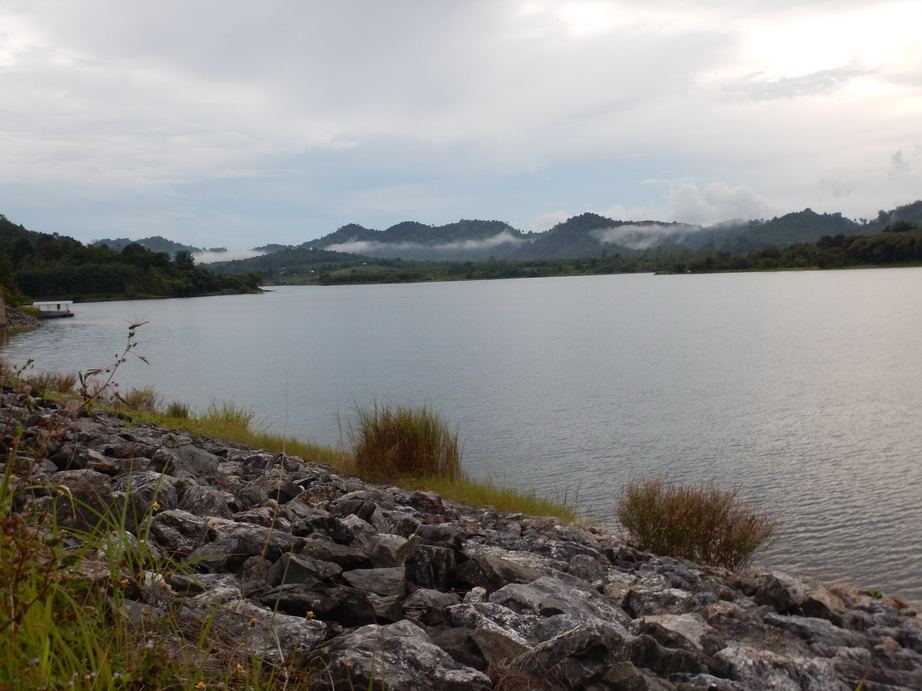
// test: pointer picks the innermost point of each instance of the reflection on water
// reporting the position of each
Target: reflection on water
(805, 388)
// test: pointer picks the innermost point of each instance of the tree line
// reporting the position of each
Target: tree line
(41, 265)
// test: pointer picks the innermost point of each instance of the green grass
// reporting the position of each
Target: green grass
(706, 524)
(390, 442)
(61, 620)
(486, 493)
(228, 422)
(382, 434)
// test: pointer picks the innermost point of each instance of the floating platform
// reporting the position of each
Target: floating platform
(59, 309)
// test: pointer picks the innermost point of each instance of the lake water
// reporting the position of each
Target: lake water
(804, 388)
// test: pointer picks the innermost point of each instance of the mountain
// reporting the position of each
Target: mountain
(154, 243)
(463, 240)
(782, 231)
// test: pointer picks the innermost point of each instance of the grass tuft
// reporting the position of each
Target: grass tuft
(142, 398)
(705, 523)
(177, 409)
(391, 442)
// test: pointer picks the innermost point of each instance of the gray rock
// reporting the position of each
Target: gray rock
(218, 556)
(89, 495)
(492, 617)
(270, 635)
(578, 658)
(586, 567)
(398, 656)
(179, 532)
(549, 596)
(641, 602)
(777, 590)
(347, 556)
(426, 502)
(388, 608)
(429, 607)
(255, 539)
(431, 567)
(690, 626)
(440, 535)
(492, 572)
(206, 501)
(266, 516)
(192, 461)
(763, 669)
(347, 606)
(297, 568)
(818, 633)
(385, 582)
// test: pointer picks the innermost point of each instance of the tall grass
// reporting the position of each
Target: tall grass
(705, 523)
(142, 398)
(43, 383)
(393, 442)
(419, 430)
(63, 622)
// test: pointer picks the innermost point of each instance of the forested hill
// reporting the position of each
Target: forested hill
(464, 239)
(41, 265)
(155, 243)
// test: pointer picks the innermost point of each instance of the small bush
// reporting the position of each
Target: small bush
(177, 409)
(143, 398)
(705, 524)
(399, 441)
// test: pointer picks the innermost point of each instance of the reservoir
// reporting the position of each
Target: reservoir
(802, 388)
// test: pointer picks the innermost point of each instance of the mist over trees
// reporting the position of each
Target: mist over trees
(42, 265)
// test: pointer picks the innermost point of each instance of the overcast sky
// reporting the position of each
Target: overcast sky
(239, 123)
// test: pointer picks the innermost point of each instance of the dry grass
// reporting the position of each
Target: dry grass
(177, 409)
(142, 398)
(705, 523)
(43, 383)
(391, 442)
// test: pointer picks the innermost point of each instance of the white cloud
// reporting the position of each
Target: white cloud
(376, 247)
(717, 202)
(136, 106)
(642, 237)
(899, 165)
(209, 257)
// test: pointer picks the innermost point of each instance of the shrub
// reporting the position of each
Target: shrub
(703, 523)
(177, 409)
(143, 398)
(390, 442)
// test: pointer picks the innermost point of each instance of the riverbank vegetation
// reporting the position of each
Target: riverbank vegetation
(405, 446)
(41, 265)
(705, 524)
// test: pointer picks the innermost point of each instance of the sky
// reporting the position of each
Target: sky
(232, 123)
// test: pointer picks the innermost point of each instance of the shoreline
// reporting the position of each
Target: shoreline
(330, 566)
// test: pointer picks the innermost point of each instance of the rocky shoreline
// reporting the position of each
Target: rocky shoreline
(375, 586)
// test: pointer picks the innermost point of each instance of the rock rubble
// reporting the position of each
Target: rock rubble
(375, 584)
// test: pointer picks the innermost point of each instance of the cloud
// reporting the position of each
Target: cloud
(302, 116)
(717, 202)
(899, 165)
(757, 87)
(209, 257)
(377, 247)
(642, 237)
